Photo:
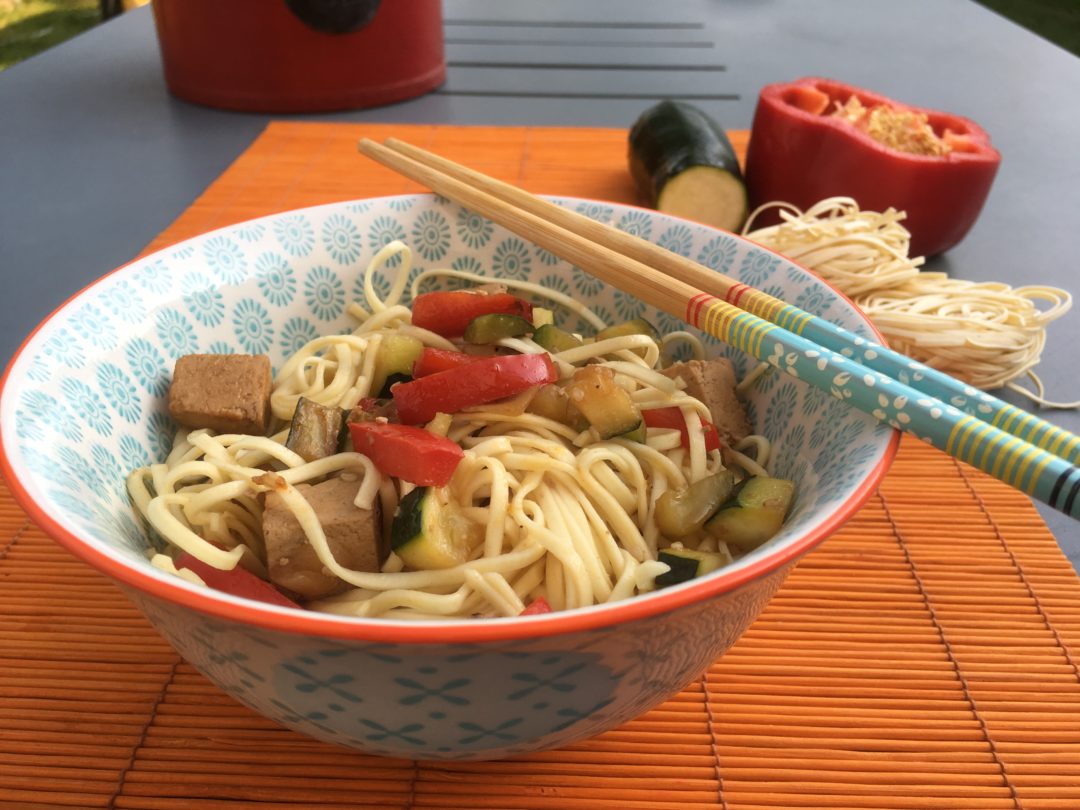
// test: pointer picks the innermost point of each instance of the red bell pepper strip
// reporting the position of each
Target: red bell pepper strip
(486, 380)
(409, 453)
(237, 582)
(432, 361)
(536, 607)
(801, 154)
(672, 417)
(449, 313)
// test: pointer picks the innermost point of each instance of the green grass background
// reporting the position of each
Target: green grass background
(1055, 20)
(30, 26)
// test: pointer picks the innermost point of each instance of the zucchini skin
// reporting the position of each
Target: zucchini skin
(428, 534)
(408, 523)
(394, 361)
(555, 339)
(754, 514)
(683, 512)
(670, 138)
(316, 431)
(610, 410)
(682, 569)
(483, 330)
(637, 326)
(687, 564)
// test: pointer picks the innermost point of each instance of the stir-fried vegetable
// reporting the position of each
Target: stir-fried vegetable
(486, 380)
(754, 514)
(683, 512)
(409, 453)
(609, 409)
(449, 313)
(672, 418)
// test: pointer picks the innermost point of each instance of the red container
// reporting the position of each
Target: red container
(260, 56)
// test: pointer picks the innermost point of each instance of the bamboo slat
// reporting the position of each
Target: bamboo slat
(925, 656)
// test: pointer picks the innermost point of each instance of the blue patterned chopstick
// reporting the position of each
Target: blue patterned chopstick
(929, 381)
(1003, 455)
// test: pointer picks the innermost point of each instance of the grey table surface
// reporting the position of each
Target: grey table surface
(96, 158)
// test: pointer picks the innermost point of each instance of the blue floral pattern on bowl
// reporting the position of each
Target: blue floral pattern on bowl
(266, 286)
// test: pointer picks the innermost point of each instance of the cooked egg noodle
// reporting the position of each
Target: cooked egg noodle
(987, 334)
(561, 514)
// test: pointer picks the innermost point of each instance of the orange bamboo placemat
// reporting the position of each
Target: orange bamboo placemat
(926, 656)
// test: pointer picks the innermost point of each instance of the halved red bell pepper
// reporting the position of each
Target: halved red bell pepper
(409, 453)
(432, 361)
(237, 582)
(486, 380)
(672, 418)
(800, 152)
(448, 313)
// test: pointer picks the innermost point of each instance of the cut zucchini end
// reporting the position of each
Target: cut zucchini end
(610, 410)
(428, 534)
(755, 514)
(767, 493)
(635, 326)
(745, 527)
(683, 512)
(686, 564)
(542, 316)
(706, 194)
(394, 358)
(484, 330)
(554, 339)
(635, 435)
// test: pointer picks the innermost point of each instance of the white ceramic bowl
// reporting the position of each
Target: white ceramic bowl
(84, 402)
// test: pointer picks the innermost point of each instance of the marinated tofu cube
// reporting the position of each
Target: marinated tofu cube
(353, 534)
(713, 383)
(227, 393)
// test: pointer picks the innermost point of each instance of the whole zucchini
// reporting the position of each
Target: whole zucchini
(684, 164)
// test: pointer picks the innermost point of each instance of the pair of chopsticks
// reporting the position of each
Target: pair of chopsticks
(1000, 439)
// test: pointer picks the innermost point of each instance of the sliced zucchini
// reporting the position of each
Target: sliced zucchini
(684, 164)
(554, 339)
(635, 435)
(316, 430)
(755, 513)
(636, 326)
(542, 316)
(552, 402)
(575, 418)
(609, 409)
(683, 512)
(766, 493)
(395, 356)
(429, 532)
(440, 424)
(484, 330)
(686, 563)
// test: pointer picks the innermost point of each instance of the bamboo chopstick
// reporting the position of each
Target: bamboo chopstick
(874, 356)
(1005, 456)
